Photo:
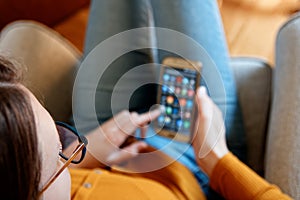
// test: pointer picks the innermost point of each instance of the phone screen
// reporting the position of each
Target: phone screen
(177, 91)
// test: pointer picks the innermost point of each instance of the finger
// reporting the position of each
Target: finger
(123, 118)
(204, 103)
(201, 92)
(127, 153)
(136, 147)
(126, 123)
(118, 128)
(143, 131)
(147, 117)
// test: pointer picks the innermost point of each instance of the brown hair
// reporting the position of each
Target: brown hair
(20, 164)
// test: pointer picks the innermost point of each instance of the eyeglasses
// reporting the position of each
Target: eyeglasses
(68, 135)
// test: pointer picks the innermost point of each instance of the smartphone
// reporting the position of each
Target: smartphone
(179, 79)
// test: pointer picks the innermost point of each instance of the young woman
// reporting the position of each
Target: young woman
(36, 151)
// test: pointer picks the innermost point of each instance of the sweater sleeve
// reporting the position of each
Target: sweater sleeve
(234, 180)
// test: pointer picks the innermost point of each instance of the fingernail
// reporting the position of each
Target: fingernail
(201, 91)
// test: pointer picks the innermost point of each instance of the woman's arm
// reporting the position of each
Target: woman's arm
(235, 180)
(229, 176)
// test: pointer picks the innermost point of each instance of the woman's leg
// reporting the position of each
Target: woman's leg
(109, 18)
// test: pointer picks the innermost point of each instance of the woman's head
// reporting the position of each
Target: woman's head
(19, 161)
(29, 141)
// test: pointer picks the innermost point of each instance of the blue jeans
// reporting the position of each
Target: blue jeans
(200, 20)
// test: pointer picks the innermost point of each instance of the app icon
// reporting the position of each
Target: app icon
(177, 90)
(182, 102)
(166, 77)
(172, 78)
(189, 103)
(170, 99)
(178, 79)
(175, 111)
(163, 108)
(161, 119)
(185, 81)
(191, 93)
(164, 88)
(192, 82)
(178, 123)
(183, 92)
(169, 110)
(168, 120)
(187, 115)
(186, 124)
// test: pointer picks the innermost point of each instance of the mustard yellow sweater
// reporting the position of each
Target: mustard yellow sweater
(230, 178)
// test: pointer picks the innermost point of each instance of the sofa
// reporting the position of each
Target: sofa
(269, 97)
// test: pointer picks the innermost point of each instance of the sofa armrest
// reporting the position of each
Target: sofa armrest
(253, 79)
(283, 145)
(50, 62)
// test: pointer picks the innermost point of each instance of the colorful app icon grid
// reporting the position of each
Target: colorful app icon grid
(177, 96)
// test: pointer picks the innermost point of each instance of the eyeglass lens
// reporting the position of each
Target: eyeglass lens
(69, 141)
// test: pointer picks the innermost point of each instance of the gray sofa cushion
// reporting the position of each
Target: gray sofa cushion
(283, 145)
(253, 79)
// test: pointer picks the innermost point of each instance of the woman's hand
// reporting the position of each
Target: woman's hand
(105, 141)
(209, 135)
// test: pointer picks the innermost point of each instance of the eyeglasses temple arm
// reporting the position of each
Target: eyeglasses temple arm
(66, 164)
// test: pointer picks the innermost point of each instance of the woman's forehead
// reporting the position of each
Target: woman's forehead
(48, 139)
(44, 122)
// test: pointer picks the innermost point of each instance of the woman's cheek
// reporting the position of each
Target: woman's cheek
(60, 189)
